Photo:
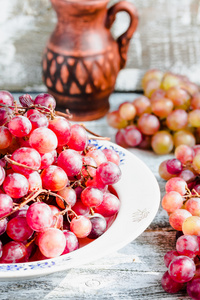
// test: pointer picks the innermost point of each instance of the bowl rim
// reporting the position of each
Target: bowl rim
(139, 218)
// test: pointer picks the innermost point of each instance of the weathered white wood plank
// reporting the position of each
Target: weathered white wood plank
(131, 273)
(168, 37)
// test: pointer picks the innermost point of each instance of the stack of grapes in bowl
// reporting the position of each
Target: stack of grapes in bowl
(166, 115)
(55, 187)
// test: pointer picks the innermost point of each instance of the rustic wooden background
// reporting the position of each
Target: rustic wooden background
(168, 38)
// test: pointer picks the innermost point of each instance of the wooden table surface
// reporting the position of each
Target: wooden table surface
(133, 272)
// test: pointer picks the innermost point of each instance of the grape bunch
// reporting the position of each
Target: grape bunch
(55, 185)
(182, 203)
(165, 116)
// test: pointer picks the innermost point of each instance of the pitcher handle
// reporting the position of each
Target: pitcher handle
(124, 39)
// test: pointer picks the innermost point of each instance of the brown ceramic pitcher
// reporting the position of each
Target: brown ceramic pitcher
(81, 60)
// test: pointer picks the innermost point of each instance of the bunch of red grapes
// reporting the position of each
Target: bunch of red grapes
(182, 203)
(55, 186)
(165, 116)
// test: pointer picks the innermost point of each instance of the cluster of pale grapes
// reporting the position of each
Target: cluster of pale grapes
(165, 116)
(182, 203)
(55, 186)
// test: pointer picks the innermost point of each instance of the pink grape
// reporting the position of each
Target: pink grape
(68, 194)
(169, 256)
(109, 206)
(80, 209)
(162, 107)
(28, 157)
(178, 95)
(187, 245)
(91, 197)
(13, 252)
(191, 225)
(152, 74)
(43, 140)
(112, 156)
(34, 180)
(170, 80)
(38, 120)
(47, 159)
(18, 229)
(20, 212)
(195, 101)
(39, 216)
(3, 225)
(81, 226)
(177, 218)
(71, 242)
(32, 111)
(89, 166)
(62, 128)
(52, 242)
(99, 225)
(151, 86)
(187, 175)
(46, 100)
(127, 111)
(6, 204)
(157, 95)
(193, 288)
(196, 163)
(162, 142)
(16, 185)
(176, 184)
(193, 206)
(182, 269)
(78, 139)
(196, 149)
(97, 155)
(19, 126)
(115, 120)
(54, 178)
(162, 170)
(174, 166)
(108, 173)
(6, 98)
(26, 100)
(5, 115)
(177, 119)
(71, 162)
(97, 183)
(194, 118)
(5, 137)
(148, 124)
(119, 138)
(142, 105)
(169, 285)
(2, 175)
(185, 137)
(172, 201)
(132, 136)
(57, 217)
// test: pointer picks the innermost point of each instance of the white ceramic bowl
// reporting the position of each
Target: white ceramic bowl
(139, 194)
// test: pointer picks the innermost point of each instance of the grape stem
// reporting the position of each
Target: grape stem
(189, 194)
(22, 110)
(13, 162)
(32, 197)
(96, 135)
(66, 115)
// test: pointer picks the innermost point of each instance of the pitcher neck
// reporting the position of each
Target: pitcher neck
(87, 9)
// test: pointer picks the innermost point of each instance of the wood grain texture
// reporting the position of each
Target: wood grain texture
(133, 272)
(168, 38)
